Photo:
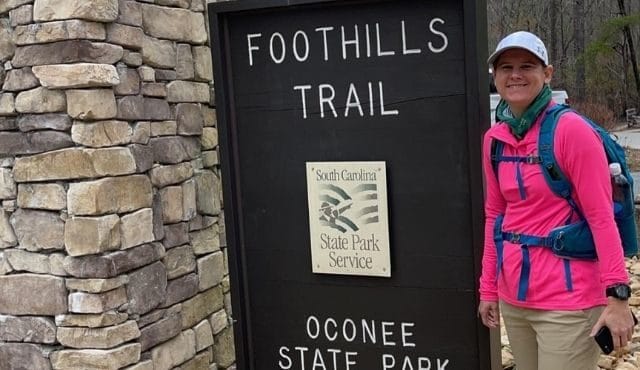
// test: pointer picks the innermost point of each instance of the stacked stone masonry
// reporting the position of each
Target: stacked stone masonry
(112, 247)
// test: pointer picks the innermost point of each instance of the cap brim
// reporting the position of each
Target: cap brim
(493, 57)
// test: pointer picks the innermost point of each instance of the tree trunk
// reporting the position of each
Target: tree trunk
(554, 49)
(632, 52)
(578, 49)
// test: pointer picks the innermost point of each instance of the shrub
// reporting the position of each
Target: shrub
(597, 112)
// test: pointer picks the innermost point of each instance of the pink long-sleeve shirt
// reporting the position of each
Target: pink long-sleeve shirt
(579, 152)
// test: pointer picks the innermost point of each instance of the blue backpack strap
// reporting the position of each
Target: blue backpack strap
(554, 176)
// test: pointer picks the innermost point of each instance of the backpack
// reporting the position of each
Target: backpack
(575, 240)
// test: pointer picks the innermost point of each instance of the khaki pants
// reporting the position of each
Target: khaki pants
(552, 340)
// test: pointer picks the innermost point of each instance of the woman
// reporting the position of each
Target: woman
(552, 307)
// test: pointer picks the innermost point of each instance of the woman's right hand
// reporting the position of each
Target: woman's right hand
(489, 313)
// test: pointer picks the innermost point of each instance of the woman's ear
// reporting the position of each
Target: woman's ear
(548, 73)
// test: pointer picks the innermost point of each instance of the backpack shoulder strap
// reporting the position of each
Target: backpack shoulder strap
(556, 180)
(497, 147)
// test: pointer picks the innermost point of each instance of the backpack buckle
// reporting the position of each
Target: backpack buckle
(533, 159)
(515, 238)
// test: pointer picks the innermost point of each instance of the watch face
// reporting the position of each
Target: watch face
(623, 291)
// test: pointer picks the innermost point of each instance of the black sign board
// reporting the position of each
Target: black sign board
(394, 81)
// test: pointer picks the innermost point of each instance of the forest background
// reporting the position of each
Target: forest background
(592, 45)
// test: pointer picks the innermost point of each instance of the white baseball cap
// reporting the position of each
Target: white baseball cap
(521, 40)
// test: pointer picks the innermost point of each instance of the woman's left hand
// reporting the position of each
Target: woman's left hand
(618, 318)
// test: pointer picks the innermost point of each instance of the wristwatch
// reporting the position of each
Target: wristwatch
(619, 291)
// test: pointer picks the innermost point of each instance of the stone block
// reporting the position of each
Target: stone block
(210, 270)
(162, 176)
(174, 352)
(158, 53)
(129, 82)
(96, 10)
(75, 163)
(7, 5)
(62, 52)
(49, 121)
(172, 150)
(190, 119)
(127, 36)
(27, 329)
(179, 261)
(166, 74)
(96, 285)
(83, 359)
(187, 92)
(7, 123)
(202, 63)
(210, 117)
(79, 75)
(132, 59)
(81, 302)
(110, 195)
(172, 211)
(7, 235)
(181, 289)
(137, 228)
(100, 338)
(154, 89)
(21, 260)
(7, 105)
(204, 335)
(7, 47)
(113, 264)
(19, 80)
(219, 321)
(207, 190)
(109, 318)
(201, 306)
(143, 156)
(21, 15)
(164, 128)
(141, 108)
(201, 361)
(19, 143)
(5, 267)
(188, 200)
(147, 74)
(101, 133)
(175, 3)
(130, 13)
(224, 349)
(40, 33)
(13, 301)
(147, 288)
(92, 235)
(16, 355)
(160, 331)
(175, 234)
(209, 138)
(184, 63)
(206, 240)
(91, 104)
(146, 365)
(141, 132)
(38, 230)
(8, 188)
(41, 100)
(174, 24)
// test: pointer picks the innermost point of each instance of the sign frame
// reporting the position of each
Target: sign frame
(475, 30)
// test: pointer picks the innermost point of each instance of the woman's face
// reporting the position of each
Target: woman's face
(519, 76)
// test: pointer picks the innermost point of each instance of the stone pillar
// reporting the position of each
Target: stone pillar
(112, 252)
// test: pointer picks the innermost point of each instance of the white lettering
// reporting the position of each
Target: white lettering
(386, 334)
(355, 42)
(326, 329)
(251, 47)
(371, 112)
(428, 366)
(445, 40)
(334, 352)
(384, 112)
(380, 52)
(406, 51)
(306, 46)
(442, 366)
(355, 104)
(302, 350)
(368, 37)
(348, 360)
(318, 361)
(385, 361)
(303, 95)
(349, 322)
(316, 323)
(324, 31)
(282, 46)
(368, 330)
(328, 100)
(406, 365)
(284, 349)
(406, 333)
